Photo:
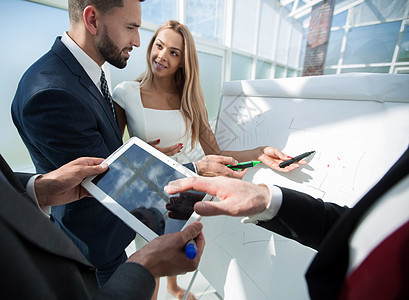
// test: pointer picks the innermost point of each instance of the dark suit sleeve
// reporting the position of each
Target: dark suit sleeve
(190, 166)
(63, 127)
(130, 281)
(304, 218)
(24, 178)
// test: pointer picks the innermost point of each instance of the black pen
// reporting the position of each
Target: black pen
(295, 159)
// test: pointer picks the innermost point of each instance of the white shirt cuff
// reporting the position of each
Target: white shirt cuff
(276, 198)
(31, 192)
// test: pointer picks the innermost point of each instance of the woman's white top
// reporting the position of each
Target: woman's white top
(152, 124)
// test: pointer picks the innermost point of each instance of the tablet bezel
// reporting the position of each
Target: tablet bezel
(129, 219)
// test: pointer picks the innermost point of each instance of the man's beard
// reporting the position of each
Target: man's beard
(110, 52)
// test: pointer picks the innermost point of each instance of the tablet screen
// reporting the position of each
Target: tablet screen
(135, 180)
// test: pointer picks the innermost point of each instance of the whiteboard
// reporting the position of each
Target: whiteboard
(358, 124)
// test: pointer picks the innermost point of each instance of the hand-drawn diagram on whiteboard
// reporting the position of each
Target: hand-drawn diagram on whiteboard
(356, 123)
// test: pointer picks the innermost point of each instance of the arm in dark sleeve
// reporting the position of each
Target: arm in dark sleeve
(190, 166)
(304, 218)
(130, 281)
(23, 178)
(63, 127)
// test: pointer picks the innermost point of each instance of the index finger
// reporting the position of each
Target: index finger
(87, 161)
(200, 184)
(226, 160)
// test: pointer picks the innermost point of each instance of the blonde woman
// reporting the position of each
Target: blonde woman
(165, 106)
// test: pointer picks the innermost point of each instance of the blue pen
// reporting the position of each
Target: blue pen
(191, 249)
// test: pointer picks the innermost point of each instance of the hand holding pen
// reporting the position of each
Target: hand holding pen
(296, 159)
(276, 160)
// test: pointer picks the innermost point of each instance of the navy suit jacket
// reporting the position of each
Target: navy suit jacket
(327, 227)
(61, 115)
(40, 262)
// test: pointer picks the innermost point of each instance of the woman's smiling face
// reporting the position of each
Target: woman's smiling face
(167, 53)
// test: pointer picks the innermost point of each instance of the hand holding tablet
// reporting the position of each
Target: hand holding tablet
(132, 189)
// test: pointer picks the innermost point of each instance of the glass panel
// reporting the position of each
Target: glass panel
(244, 25)
(403, 71)
(268, 30)
(371, 44)
(378, 11)
(303, 46)
(240, 67)
(291, 73)
(211, 78)
(330, 71)
(263, 69)
(283, 36)
(295, 44)
(366, 70)
(403, 54)
(340, 19)
(205, 18)
(279, 72)
(334, 47)
(159, 11)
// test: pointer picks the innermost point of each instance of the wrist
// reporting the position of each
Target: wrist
(259, 152)
(272, 203)
(196, 166)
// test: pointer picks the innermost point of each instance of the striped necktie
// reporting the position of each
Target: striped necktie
(106, 93)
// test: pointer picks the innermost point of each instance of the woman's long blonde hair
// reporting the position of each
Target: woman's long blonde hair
(187, 79)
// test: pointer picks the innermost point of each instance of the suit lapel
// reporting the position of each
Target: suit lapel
(328, 269)
(21, 214)
(75, 67)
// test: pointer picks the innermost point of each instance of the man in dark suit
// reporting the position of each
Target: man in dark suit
(39, 262)
(63, 111)
(61, 114)
(362, 251)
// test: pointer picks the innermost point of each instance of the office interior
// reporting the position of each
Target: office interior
(235, 39)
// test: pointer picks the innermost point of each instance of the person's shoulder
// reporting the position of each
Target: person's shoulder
(125, 85)
(124, 91)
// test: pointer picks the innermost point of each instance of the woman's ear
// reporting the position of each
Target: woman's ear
(89, 16)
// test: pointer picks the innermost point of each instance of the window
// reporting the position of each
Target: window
(366, 70)
(211, 80)
(371, 44)
(403, 54)
(340, 19)
(334, 47)
(159, 11)
(205, 19)
(279, 72)
(283, 41)
(244, 25)
(268, 29)
(240, 67)
(263, 69)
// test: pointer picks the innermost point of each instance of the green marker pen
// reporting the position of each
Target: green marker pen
(244, 165)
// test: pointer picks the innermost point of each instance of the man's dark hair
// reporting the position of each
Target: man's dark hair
(76, 7)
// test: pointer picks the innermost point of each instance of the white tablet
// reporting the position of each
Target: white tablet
(132, 189)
